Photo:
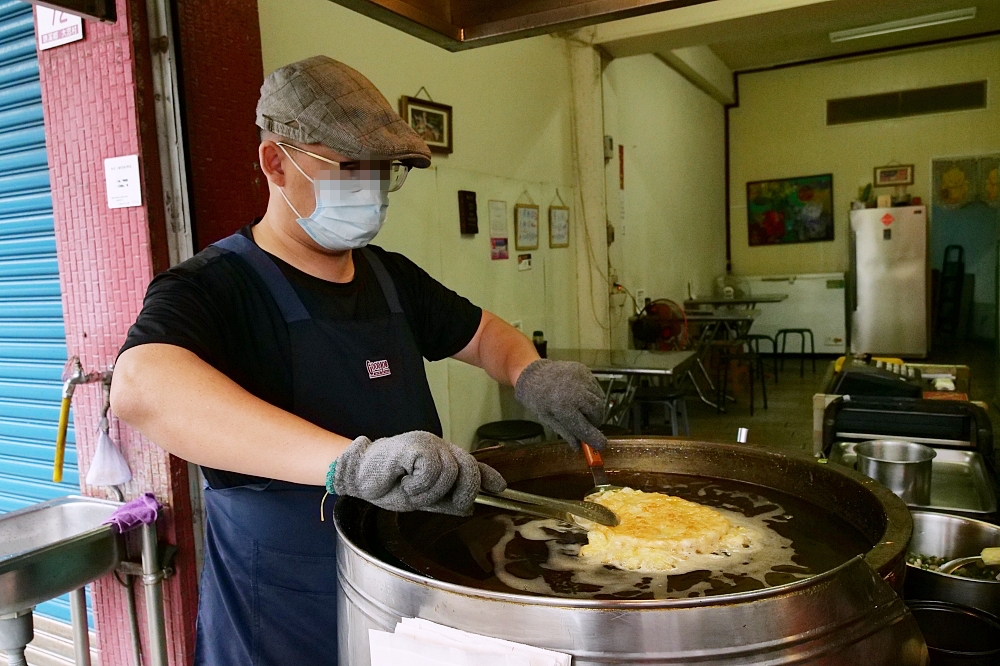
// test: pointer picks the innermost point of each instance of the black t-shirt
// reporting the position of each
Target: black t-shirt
(216, 306)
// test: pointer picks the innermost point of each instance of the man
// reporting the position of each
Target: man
(289, 357)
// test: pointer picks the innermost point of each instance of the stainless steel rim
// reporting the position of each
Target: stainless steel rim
(714, 600)
(982, 523)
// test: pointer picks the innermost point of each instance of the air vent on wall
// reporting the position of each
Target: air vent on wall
(903, 103)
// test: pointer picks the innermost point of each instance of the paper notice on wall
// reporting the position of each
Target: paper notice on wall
(498, 230)
(524, 262)
(499, 248)
(121, 175)
(498, 219)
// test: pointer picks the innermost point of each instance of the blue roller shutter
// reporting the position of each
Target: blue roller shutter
(32, 341)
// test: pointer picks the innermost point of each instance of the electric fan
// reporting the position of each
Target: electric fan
(662, 325)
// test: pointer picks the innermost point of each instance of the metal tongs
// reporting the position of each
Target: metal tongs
(547, 507)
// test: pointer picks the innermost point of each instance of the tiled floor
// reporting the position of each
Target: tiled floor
(787, 422)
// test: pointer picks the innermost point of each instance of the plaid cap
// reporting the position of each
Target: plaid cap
(320, 100)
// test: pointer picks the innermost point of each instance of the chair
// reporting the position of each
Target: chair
(672, 401)
(782, 338)
(513, 430)
(739, 351)
(754, 340)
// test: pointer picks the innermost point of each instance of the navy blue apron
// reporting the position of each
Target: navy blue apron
(269, 582)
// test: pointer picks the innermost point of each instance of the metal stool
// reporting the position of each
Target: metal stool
(782, 337)
(672, 401)
(514, 430)
(753, 342)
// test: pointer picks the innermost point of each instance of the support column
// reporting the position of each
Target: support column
(97, 100)
(588, 143)
(221, 71)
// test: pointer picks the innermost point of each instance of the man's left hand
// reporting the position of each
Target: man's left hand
(565, 397)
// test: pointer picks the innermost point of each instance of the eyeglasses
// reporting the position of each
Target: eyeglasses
(388, 171)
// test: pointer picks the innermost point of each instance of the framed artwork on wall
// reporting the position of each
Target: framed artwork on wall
(790, 210)
(893, 176)
(432, 121)
(525, 227)
(558, 226)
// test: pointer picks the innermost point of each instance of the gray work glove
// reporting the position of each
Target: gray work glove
(414, 471)
(564, 396)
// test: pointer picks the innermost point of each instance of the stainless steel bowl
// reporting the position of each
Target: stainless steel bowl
(950, 537)
(902, 467)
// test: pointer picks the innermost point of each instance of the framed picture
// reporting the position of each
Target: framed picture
(432, 121)
(525, 227)
(558, 226)
(790, 210)
(890, 176)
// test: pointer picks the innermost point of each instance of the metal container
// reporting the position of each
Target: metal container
(847, 615)
(957, 635)
(902, 467)
(951, 537)
(960, 483)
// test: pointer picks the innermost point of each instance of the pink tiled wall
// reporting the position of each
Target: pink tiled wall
(96, 96)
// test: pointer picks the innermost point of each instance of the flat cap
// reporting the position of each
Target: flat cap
(320, 100)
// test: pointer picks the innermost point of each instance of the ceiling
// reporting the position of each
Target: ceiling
(794, 34)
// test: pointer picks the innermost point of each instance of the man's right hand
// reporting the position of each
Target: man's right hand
(414, 471)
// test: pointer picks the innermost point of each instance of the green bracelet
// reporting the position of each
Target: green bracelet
(329, 478)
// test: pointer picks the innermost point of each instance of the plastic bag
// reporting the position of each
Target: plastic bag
(108, 468)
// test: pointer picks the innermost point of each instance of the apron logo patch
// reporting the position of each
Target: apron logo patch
(377, 369)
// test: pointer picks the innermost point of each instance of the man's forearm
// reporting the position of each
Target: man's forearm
(499, 349)
(192, 410)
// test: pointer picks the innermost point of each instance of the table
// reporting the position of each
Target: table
(626, 365)
(747, 301)
(736, 322)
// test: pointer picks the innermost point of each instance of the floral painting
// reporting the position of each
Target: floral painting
(791, 210)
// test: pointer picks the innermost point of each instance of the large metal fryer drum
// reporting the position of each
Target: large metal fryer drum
(848, 615)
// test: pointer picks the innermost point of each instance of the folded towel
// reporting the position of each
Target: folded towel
(142, 510)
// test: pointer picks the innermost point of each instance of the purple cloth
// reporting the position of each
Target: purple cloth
(142, 510)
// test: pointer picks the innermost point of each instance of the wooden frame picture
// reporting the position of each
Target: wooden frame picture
(432, 121)
(893, 176)
(558, 226)
(525, 227)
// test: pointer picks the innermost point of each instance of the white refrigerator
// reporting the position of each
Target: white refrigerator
(888, 282)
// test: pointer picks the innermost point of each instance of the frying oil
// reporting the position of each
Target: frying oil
(566, 573)
(790, 540)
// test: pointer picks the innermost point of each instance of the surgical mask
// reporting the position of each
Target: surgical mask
(348, 214)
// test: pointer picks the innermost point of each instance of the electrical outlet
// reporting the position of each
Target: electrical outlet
(640, 296)
(518, 324)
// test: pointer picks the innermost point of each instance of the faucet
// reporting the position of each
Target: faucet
(73, 376)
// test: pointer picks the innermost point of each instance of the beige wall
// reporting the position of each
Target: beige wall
(670, 218)
(512, 128)
(779, 130)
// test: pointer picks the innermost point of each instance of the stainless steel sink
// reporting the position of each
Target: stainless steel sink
(51, 548)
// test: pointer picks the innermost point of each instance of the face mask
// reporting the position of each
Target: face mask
(349, 213)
